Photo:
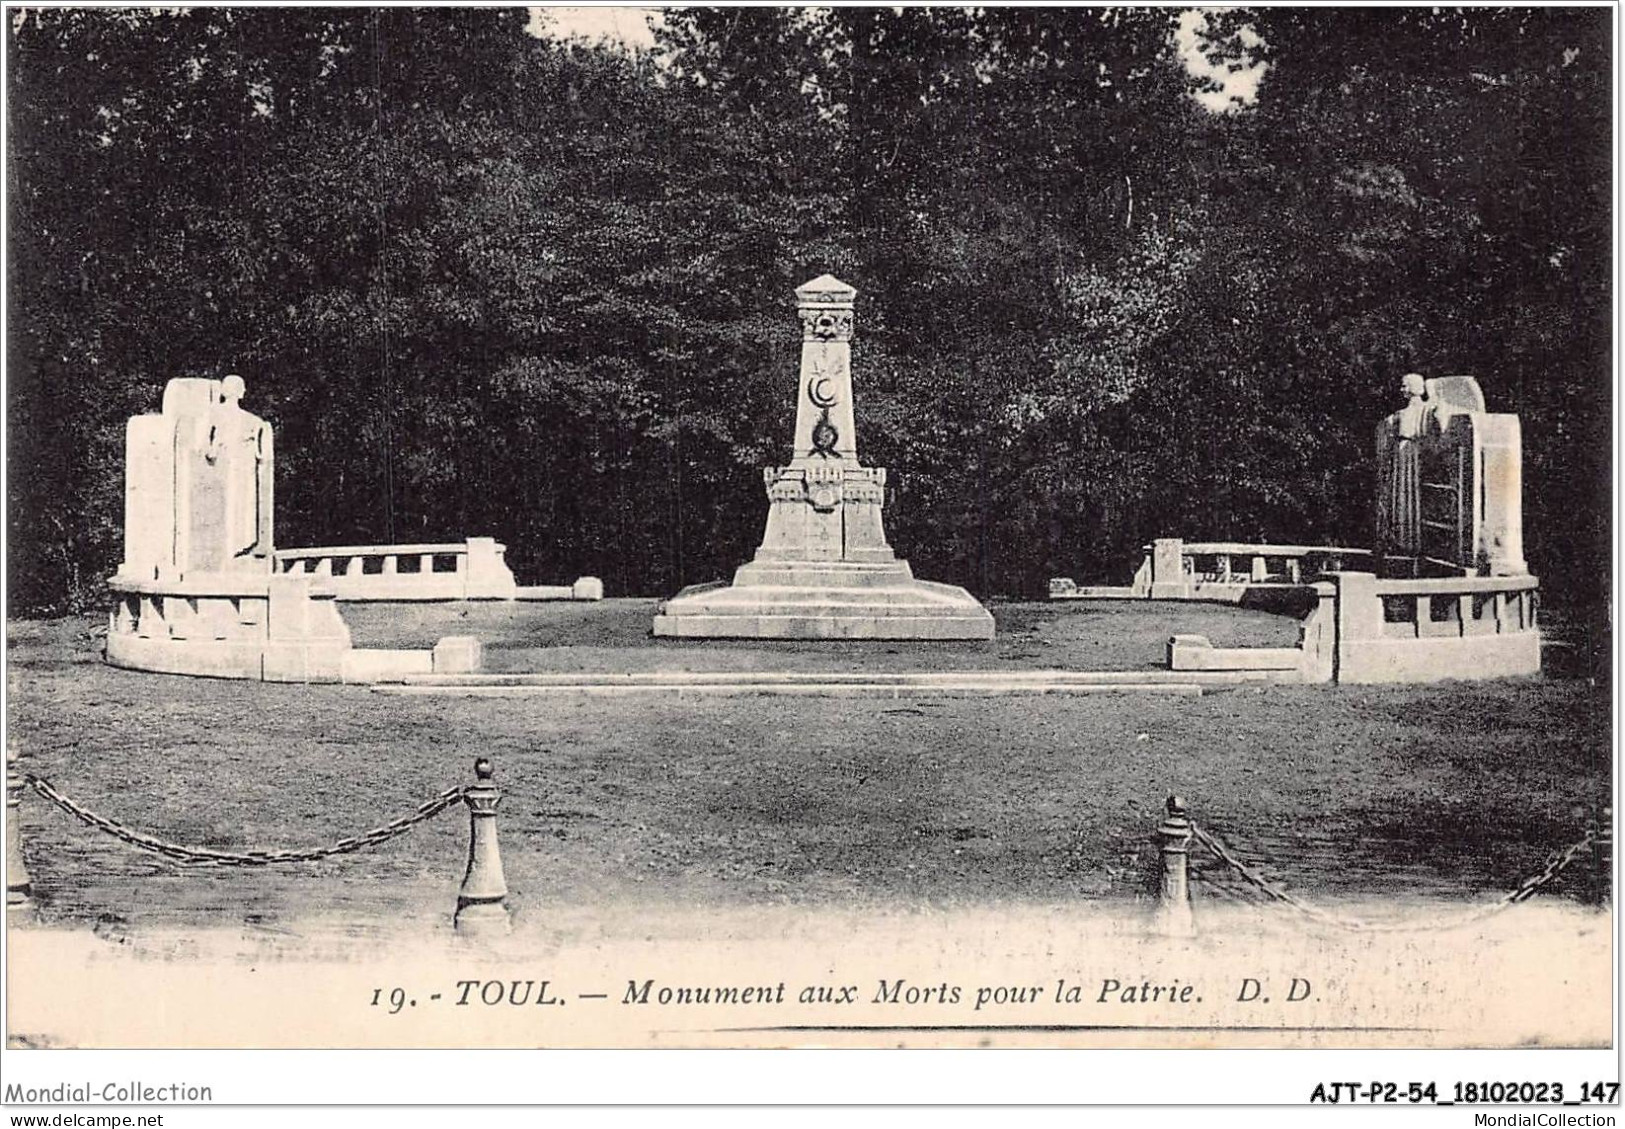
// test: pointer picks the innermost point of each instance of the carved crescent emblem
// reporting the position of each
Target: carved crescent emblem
(816, 393)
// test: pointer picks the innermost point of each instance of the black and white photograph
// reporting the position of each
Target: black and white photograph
(761, 527)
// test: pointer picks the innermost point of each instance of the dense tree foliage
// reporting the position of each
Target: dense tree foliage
(489, 283)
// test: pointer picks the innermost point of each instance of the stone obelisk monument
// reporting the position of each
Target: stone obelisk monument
(824, 569)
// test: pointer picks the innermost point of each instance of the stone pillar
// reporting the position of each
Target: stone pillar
(824, 506)
(824, 424)
(486, 576)
(1359, 609)
(149, 499)
(1359, 620)
(306, 638)
(1317, 637)
(1168, 568)
(1500, 453)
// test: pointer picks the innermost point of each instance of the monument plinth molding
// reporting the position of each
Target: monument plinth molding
(824, 569)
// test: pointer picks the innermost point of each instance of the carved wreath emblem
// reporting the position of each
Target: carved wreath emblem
(826, 325)
(824, 437)
(823, 498)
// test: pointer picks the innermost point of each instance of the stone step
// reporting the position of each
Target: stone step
(895, 602)
(779, 600)
(791, 576)
(808, 689)
(1106, 678)
(825, 622)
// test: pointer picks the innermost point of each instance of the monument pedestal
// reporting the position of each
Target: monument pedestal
(197, 592)
(843, 601)
(824, 569)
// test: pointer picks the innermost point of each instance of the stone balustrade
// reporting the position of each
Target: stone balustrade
(1358, 628)
(1426, 629)
(1175, 569)
(470, 570)
(1203, 563)
(1458, 606)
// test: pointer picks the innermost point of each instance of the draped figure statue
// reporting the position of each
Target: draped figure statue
(241, 441)
(1399, 468)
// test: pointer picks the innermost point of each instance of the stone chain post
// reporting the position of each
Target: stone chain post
(19, 887)
(481, 903)
(1173, 917)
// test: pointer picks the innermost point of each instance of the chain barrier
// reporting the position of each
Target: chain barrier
(1554, 866)
(203, 856)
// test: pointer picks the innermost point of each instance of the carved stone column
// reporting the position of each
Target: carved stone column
(824, 568)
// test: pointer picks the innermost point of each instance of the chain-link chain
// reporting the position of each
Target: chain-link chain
(203, 856)
(1554, 866)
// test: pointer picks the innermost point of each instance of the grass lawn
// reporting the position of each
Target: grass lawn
(614, 636)
(1457, 790)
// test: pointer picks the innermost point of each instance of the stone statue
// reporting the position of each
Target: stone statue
(1449, 483)
(240, 443)
(198, 485)
(1399, 467)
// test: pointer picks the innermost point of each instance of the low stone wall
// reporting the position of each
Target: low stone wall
(1313, 659)
(267, 629)
(471, 570)
(1430, 629)
(274, 629)
(1361, 629)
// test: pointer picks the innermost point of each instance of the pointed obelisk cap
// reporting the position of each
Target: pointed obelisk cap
(825, 290)
(825, 308)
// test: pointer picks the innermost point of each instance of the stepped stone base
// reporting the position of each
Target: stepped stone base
(834, 600)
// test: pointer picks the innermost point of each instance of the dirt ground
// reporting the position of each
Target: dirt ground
(1455, 790)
